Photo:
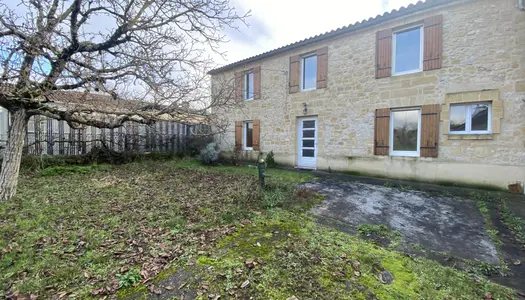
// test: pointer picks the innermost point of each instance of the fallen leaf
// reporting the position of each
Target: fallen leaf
(154, 290)
(251, 263)
(245, 284)
(205, 286)
(98, 291)
(355, 265)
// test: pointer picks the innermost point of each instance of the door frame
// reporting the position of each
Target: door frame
(299, 142)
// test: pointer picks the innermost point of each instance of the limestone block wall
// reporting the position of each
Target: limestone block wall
(483, 49)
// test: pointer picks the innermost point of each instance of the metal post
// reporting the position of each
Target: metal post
(261, 167)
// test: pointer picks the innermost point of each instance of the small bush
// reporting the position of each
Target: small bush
(209, 155)
(194, 144)
(131, 278)
(270, 161)
(273, 197)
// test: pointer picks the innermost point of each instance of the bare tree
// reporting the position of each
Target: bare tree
(105, 62)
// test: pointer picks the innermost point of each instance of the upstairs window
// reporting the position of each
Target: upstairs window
(408, 51)
(472, 118)
(248, 86)
(309, 72)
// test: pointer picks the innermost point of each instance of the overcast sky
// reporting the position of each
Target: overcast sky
(275, 23)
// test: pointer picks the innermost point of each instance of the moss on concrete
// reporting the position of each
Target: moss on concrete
(295, 256)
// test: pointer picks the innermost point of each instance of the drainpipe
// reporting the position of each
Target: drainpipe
(521, 4)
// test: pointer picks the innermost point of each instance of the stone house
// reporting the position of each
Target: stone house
(433, 92)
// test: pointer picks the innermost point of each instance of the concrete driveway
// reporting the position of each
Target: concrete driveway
(438, 222)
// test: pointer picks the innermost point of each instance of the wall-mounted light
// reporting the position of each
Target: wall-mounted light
(305, 110)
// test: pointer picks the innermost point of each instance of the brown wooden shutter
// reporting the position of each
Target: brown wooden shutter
(433, 46)
(238, 135)
(384, 53)
(322, 67)
(256, 136)
(238, 86)
(429, 130)
(257, 82)
(295, 73)
(382, 132)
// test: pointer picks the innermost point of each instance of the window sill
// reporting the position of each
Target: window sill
(406, 73)
(404, 154)
(248, 149)
(482, 136)
(246, 100)
(307, 90)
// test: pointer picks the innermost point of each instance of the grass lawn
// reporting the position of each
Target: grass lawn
(177, 228)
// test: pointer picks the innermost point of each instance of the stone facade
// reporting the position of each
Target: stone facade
(483, 56)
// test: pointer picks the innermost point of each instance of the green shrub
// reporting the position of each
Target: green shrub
(131, 278)
(97, 155)
(270, 161)
(209, 155)
(194, 144)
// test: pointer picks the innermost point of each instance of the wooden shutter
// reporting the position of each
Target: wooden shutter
(384, 53)
(322, 67)
(295, 73)
(429, 130)
(433, 46)
(257, 82)
(256, 136)
(382, 132)
(238, 86)
(238, 135)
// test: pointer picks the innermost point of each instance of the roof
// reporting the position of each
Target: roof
(403, 11)
(73, 98)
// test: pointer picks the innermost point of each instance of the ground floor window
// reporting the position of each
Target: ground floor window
(248, 135)
(472, 118)
(405, 130)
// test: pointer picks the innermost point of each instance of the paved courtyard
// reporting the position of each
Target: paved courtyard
(438, 222)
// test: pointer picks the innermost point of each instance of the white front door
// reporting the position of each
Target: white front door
(307, 142)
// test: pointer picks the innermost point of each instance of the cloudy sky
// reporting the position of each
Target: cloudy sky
(274, 23)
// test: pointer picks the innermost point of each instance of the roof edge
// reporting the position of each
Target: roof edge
(387, 16)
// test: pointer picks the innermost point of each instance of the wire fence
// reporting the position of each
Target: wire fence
(52, 137)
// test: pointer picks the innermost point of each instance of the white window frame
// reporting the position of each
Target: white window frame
(302, 81)
(246, 85)
(421, 49)
(393, 152)
(244, 127)
(468, 121)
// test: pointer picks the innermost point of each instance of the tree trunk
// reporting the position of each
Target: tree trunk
(13, 155)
